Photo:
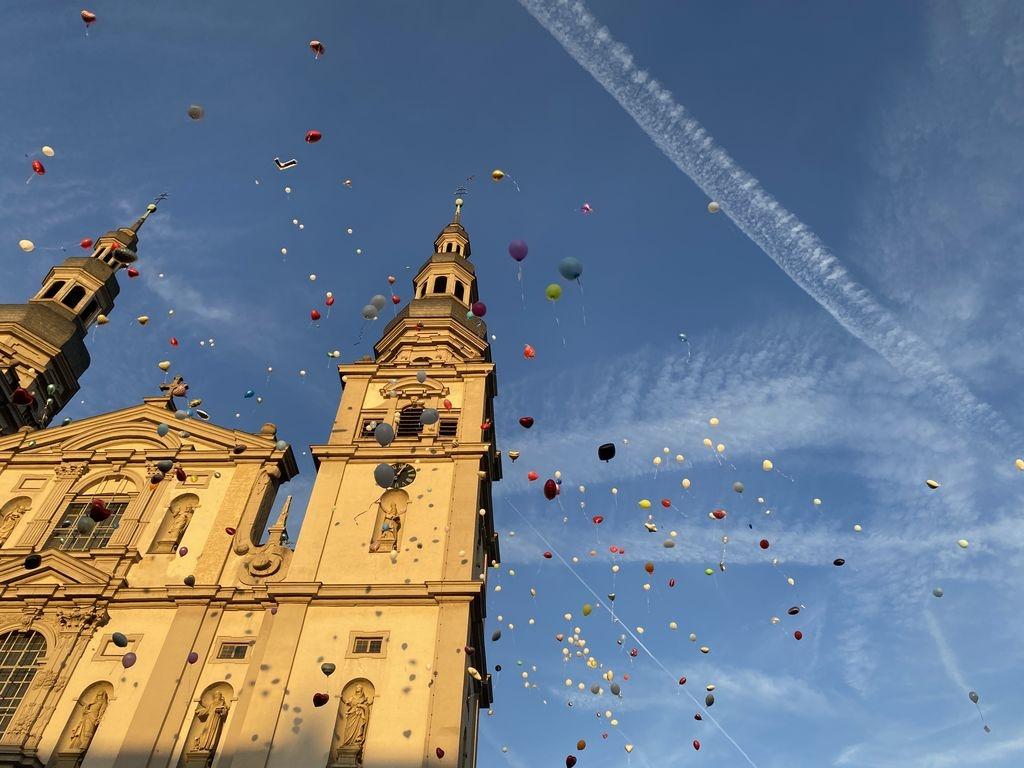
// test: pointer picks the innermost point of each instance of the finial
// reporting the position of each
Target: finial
(458, 211)
(149, 210)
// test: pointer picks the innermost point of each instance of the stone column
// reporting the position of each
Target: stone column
(448, 693)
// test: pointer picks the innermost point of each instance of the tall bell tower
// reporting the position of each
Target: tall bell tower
(402, 528)
(42, 343)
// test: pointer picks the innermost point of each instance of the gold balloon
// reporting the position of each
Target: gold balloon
(164, 365)
(767, 465)
(142, 319)
(497, 174)
(102, 319)
(26, 245)
(48, 151)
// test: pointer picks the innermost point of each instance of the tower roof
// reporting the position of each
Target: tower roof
(454, 231)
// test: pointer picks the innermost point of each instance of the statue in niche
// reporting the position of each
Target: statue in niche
(350, 737)
(212, 716)
(390, 510)
(180, 511)
(88, 721)
(11, 517)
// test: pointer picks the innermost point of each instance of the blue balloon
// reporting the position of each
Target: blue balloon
(162, 429)
(249, 393)
(570, 268)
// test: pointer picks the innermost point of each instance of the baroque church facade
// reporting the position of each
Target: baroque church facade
(144, 618)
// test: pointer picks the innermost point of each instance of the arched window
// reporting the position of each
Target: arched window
(72, 297)
(409, 421)
(460, 290)
(423, 288)
(90, 312)
(20, 657)
(71, 536)
(54, 289)
(440, 284)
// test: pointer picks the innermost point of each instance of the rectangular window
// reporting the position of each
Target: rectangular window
(20, 655)
(66, 535)
(409, 424)
(368, 645)
(233, 651)
(448, 428)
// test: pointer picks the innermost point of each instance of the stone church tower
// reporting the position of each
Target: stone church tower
(145, 620)
(42, 343)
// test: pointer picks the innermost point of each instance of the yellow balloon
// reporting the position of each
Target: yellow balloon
(497, 174)
(767, 465)
(720, 447)
(48, 151)
(1019, 464)
(657, 461)
(26, 245)
(963, 543)
(686, 482)
(102, 319)
(587, 609)
(645, 503)
(707, 441)
(142, 319)
(164, 365)
(933, 484)
(713, 421)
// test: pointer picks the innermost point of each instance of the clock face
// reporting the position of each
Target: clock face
(404, 475)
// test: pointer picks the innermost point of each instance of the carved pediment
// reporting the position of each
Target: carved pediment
(56, 568)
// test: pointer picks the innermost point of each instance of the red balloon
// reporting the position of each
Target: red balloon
(88, 17)
(697, 716)
(764, 544)
(798, 635)
(174, 341)
(682, 681)
(396, 299)
(86, 242)
(526, 422)
(719, 514)
(447, 405)
(613, 549)
(329, 301)
(37, 166)
(440, 753)
(229, 531)
(529, 352)
(317, 48)
(133, 272)
(312, 137)
(98, 510)
(666, 503)
(391, 279)
(531, 476)
(649, 567)
(22, 396)
(550, 489)
(671, 582)
(179, 473)
(548, 555)
(314, 314)
(479, 308)
(634, 652)
(598, 519)
(570, 761)
(696, 744)
(319, 699)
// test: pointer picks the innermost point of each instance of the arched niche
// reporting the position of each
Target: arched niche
(80, 730)
(175, 520)
(387, 530)
(206, 732)
(353, 725)
(11, 514)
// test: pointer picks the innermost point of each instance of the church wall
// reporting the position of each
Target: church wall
(347, 540)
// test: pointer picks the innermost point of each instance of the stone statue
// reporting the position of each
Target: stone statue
(357, 717)
(11, 518)
(387, 538)
(88, 721)
(181, 516)
(212, 716)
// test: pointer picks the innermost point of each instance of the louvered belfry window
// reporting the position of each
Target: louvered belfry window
(409, 421)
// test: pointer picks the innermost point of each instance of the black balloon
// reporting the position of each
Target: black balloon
(606, 452)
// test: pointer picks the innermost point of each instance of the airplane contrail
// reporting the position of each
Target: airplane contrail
(779, 233)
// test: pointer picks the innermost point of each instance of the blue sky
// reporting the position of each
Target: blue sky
(891, 131)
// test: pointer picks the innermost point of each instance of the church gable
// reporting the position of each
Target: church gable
(56, 568)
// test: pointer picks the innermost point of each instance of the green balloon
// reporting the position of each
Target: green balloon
(553, 292)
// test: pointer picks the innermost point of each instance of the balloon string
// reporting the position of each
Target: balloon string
(522, 286)
(583, 300)
(636, 639)
(558, 322)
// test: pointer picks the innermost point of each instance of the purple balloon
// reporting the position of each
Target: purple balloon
(183, 551)
(128, 660)
(479, 309)
(193, 657)
(517, 250)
